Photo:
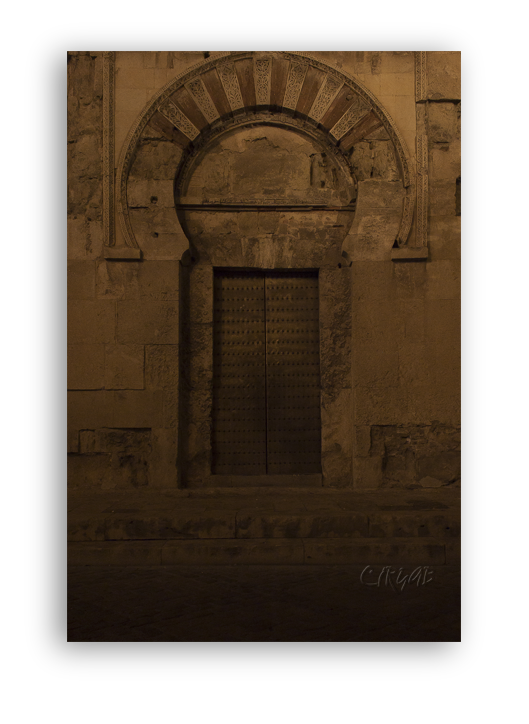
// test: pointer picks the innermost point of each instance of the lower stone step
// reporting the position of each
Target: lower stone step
(264, 551)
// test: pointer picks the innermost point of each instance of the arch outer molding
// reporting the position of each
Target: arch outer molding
(221, 90)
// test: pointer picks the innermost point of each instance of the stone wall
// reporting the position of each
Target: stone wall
(399, 400)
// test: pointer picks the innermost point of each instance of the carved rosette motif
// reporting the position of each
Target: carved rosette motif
(108, 149)
(420, 75)
(296, 76)
(326, 95)
(422, 190)
(177, 118)
(203, 99)
(262, 79)
(230, 83)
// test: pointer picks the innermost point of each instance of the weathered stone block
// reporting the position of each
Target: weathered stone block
(81, 280)
(372, 280)
(88, 471)
(381, 406)
(445, 238)
(445, 161)
(124, 366)
(156, 160)
(86, 366)
(443, 122)
(377, 194)
(376, 362)
(409, 525)
(163, 462)
(410, 280)
(90, 409)
(444, 74)
(413, 366)
(153, 220)
(374, 159)
(163, 246)
(443, 468)
(161, 366)
(313, 525)
(442, 201)
(335, 358)
(85, 238)
(136, 77)
(362, 440)
(72, 439)
(134, 408)
(376, 321)
(205, 552)
(117, 280)
(91, 321)
(123, 441)
(367, 472)
(268, 222)
(443, 280)
(198, 345)
(372, 236)
(200, 301)
(85, 198)
(150, 193)
(147, 322)
(170, 408)
(87, 442)
(374, 551)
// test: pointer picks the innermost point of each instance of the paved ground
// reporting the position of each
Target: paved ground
(261, 603)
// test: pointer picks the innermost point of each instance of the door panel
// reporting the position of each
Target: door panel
(239, 382)
(266, 392)
(293, 373)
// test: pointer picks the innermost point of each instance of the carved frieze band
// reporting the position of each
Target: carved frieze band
(203, 99)
(262, 78)
(422, 190)
(350, 118)
(296, 76)
(420, 75)
(327, 93)
(230, 83)
(108, 149)
(177, 118)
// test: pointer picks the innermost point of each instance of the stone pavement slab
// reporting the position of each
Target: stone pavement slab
(262, 603)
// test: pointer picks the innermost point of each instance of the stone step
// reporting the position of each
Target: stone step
(245, 524)
(266, 551)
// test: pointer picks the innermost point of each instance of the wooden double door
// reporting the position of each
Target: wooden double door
(266, 390)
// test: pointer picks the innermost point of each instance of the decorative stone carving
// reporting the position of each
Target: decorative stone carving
(262, 76)
(407, 216)
(230, 82)
(296, 76)
(178, 119)
(202, 98)
(327, 93)
(420, 75)
(422, 190)
(349, 119)
(108, 149)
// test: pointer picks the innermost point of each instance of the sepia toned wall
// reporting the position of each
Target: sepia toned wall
(393, 319)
